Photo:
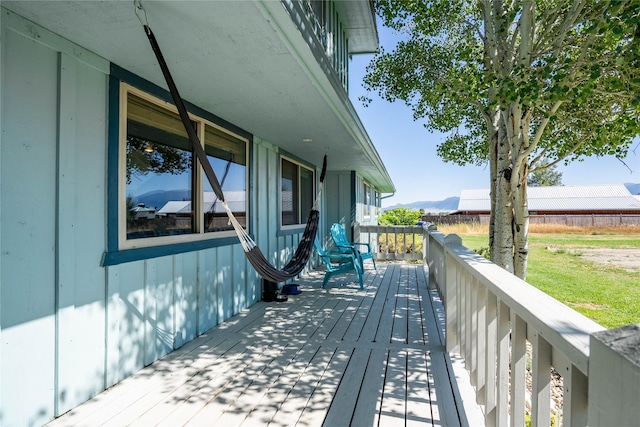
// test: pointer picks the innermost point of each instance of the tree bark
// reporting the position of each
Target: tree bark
(502, 244)
(521, 222)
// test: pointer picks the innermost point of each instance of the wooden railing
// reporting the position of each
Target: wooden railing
(394, 242)
(514, 337)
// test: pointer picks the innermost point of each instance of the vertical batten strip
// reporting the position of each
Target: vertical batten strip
(65, 255)
(150, 314)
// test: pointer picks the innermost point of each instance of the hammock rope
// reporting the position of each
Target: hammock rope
(252, 251)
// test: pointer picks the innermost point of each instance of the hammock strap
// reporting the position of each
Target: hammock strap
(184, 116)
(255, 257)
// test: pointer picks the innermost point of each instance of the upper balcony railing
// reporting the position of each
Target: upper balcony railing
(324, 22)
(515, 338)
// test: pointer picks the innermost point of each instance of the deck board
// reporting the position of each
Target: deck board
(327, 357)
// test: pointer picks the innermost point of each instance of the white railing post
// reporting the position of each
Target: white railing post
(452, 310)
(575, 397)
(425, 244)
(614, 377)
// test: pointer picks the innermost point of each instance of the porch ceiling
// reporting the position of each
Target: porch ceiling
(244, 61)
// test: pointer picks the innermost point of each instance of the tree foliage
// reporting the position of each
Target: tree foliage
(400, 216)
(513, 83)
(158, 159)
(544, 176)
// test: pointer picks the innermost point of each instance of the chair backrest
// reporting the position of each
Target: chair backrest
(339, 235)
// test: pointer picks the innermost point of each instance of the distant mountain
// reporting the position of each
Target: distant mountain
(157, 199)
(451, 204)
(633, 188)
(447, 205)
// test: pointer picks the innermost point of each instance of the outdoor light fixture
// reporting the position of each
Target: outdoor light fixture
(148, 148)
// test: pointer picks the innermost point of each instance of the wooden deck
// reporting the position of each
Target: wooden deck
(327, 357)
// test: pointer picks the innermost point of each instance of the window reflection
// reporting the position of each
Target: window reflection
(296, 192)
(228, 158)
(159, 172)
(167, 193)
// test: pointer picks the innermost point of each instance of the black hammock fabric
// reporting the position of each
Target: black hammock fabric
(255, 257)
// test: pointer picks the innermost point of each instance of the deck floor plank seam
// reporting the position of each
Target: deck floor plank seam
(323, 394)
(192, 393)
(374, 313)
(417, 331)
(235, 413)
(326, 357)
(259, 407)
(400, 329)
(384, 328)
(349, 390)
(354, 328)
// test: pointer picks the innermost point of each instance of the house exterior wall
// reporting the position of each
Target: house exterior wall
(339, 193)
(366, 206)
(70, 327)
(345, 202)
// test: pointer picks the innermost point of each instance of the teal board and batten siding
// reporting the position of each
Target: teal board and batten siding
(52, 216)
(345, 202)
(340, 201)
(361, 218)
(70, 327)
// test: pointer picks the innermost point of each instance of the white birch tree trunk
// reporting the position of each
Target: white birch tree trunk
(502, 244)
(521, 222)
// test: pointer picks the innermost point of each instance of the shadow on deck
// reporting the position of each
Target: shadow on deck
(332, 357)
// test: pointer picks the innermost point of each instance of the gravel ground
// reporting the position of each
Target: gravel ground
(628, 259)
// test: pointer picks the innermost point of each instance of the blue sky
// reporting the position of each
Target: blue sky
(409, 150)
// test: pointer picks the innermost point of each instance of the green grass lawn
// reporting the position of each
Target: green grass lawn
(606, 294)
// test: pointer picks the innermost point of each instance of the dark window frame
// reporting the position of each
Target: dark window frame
(302, 212)
(115, 252)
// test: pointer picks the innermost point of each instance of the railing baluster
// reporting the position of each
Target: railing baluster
(488, 353)
(481, 342)
(463, 313)
(502, 391)
(518, 368)
(541, 384)
(469, 321)
(452, 307)
(489, 314)
(574, 397)
(475, 329)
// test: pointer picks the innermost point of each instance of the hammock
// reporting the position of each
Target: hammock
(253, 253)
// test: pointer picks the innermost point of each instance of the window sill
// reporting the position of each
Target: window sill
(130, 255)
(291, 229)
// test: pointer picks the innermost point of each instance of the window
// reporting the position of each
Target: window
(297, 192)
(366, 198)
(164, 196)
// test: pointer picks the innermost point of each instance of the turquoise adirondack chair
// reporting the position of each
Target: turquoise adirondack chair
(339, 262)
(362, 250)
